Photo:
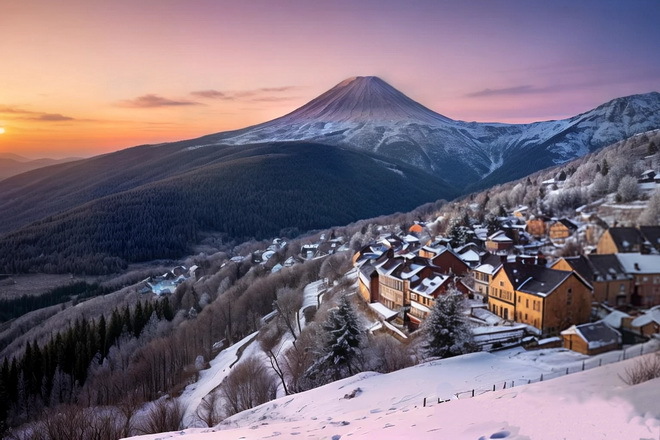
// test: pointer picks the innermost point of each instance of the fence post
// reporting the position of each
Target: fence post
(583, 365)
(424, 402)
(513, 383)
(529, 381)
(472, 392)
(600, 362)
(566, 370)
(493, 387)
(504, 387)
(624, 354)
(541, 377)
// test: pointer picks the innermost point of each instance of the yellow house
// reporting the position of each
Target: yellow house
(548, 299)
(616, 240)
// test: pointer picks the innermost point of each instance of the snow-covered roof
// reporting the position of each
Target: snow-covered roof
(614, 318)
(635, 263)
(650, 316)
(428, 285)
(470, 255)
(383, 311)
(418, 306)
(500, 236)
(485, 268)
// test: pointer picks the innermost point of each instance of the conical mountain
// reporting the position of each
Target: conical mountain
(363, 98)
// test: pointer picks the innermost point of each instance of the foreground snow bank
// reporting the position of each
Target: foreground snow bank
(592, 404)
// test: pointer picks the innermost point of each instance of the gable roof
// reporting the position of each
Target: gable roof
(537, 280)
(606, 267)
(636, 263)
(581, 265)
(595, 334)
(626, 238)
(569, 224)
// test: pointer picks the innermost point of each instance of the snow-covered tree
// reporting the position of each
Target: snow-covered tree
(446, 331)
(341, 348)
(651, 215)
(628, 189)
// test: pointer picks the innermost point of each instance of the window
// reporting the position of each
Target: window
(501, 283)
(526, 305)
(413, 296)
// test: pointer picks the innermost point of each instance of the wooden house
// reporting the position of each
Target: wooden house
(548, 299)
(612, 285)
(537, 226)
(647, 324)
(483, 274)
(498, 242)
(591, 338)
(562, 229)
(645, 272)
(423, 293)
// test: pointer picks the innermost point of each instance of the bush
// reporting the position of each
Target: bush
(645, 369)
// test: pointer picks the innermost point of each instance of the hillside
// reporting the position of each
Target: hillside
(12, 164)
(245, 192)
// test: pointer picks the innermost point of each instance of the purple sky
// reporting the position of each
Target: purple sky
(89, 76)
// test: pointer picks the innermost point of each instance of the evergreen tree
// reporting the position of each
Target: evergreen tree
(341, 349)
(446, 331)
(605, 168)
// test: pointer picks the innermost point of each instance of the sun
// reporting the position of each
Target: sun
(2, 130)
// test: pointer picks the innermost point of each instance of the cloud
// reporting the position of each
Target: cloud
(518, 90)
(151, 101)
(52, 117)
(30, 115)
(210, 94)
(264, 94)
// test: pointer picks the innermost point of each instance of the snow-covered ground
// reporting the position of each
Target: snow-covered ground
(590, 404)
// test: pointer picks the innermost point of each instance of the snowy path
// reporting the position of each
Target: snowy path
(209, 379)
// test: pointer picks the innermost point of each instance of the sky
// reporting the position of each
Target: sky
(86, 77)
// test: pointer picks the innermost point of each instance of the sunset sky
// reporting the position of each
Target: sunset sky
(84, 77)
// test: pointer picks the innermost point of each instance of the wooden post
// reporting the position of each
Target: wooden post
(473, 392)
(600, 362)
(504, 387)
(493, 387)
(566, 370)
(529, 381)
(424, 402)
(513, 383)
(582, 365)
(541, 377)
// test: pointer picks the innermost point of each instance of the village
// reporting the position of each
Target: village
(519, 290)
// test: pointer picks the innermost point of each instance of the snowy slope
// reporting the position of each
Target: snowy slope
(585, 405)
(366, 113)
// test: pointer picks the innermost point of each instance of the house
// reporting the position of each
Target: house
(368, 282)
(647, 324)
(648, 176)
(562, 229)
(612, 285)
(448, 262)
(483, 274)
(537, 226)
(521, 212)
(423, 293)
(498, 241)
(645, 271)
(416, 229)
(591, 338)
(548, 299)
(619, 240)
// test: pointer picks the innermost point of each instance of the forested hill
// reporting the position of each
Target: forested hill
(244, 192)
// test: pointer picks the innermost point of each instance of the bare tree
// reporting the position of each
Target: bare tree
(165, 415)
(209, 410)
(288, 304)
(249, 384)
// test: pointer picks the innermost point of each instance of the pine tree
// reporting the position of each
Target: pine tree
(605, 168)
(446, 330)
(341, 349)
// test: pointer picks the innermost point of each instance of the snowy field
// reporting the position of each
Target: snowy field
(590, 404)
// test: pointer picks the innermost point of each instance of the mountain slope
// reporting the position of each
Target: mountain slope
(12, 164)
(254, 191)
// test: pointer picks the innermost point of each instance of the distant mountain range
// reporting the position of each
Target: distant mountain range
(360, 150)
(13, 164)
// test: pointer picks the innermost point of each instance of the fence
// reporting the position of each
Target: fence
(555, 372)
